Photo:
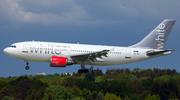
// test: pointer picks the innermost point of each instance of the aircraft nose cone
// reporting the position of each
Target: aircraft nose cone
(5, 50)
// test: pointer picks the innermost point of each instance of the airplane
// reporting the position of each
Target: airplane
(64, 54)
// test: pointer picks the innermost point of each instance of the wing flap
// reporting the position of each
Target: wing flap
(92, 56)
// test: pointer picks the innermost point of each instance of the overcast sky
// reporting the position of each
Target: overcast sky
(99, 22)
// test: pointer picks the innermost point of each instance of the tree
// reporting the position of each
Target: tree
(90, 76)
(98, 72)
(77, 91)
(165, 89)
(136, 87)
(7, 98)
(4, 92)
(94, 95)
(134, 97)
(144, 94)
(153, 97)
(147, 83)
(68, 81)
(36, 94)
(100, 96)
(162, 79)
(37, 87)
(84, 83)
(120, 88)
(155, 88)
(109, 89)
(86, 94)
(14, 82)
(110, 96)
(4, 84)
(21, 88)
(58, 92)
(133, 77)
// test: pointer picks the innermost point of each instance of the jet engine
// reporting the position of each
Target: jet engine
(56, 61)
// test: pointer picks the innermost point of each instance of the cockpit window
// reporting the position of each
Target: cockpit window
(13, 46)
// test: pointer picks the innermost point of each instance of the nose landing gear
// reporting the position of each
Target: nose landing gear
(27, 67)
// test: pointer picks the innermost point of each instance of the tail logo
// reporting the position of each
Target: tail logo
(160, 32)
(160, 38)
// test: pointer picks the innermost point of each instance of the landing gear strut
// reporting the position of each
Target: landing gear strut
(83, 70)
(27, 67)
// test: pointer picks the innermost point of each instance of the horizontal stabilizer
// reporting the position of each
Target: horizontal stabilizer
(157, 53)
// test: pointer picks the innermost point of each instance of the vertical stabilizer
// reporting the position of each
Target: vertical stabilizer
(157, 38)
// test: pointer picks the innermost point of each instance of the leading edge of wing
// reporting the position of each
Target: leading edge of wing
(102, 52)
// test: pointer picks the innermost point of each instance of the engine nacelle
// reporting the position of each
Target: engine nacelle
(59, 61)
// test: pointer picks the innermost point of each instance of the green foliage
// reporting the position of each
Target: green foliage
(78, 98)
(37, 85)
(14, 82)
(133, 77)
(134, 97)
(153, 97)
(90, 76)
(87, 94)
(83, 83)
(136, 87)
(98, 72)
(123, 77)
(106, 77)
(165, 89)
(144, 94)
(4, 92)
(100, 96)
(77, 91)
(177, 79)
(21, 88)
(124, 83)
(7, 98)
(68, 81)
(4, 84)
(98, 79)
(58, 92)
(163, 78)
(37, 90)
(110, 96)
(147, 83)
(36, 94)
(120, 88)
(94, 95)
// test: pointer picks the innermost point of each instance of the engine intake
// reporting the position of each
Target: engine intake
(59, 61)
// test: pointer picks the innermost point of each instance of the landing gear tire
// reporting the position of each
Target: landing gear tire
(83, 71)
(27, 67)
(86, 70)
(80, 71)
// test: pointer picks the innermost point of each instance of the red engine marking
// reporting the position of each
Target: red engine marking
(58, 61)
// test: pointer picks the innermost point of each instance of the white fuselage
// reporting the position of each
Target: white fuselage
(43, 51)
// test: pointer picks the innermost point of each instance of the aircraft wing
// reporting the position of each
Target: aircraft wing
(91, 57)
(161, 52)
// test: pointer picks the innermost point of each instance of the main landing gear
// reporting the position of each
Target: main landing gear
(27, 67)
(83, 70)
